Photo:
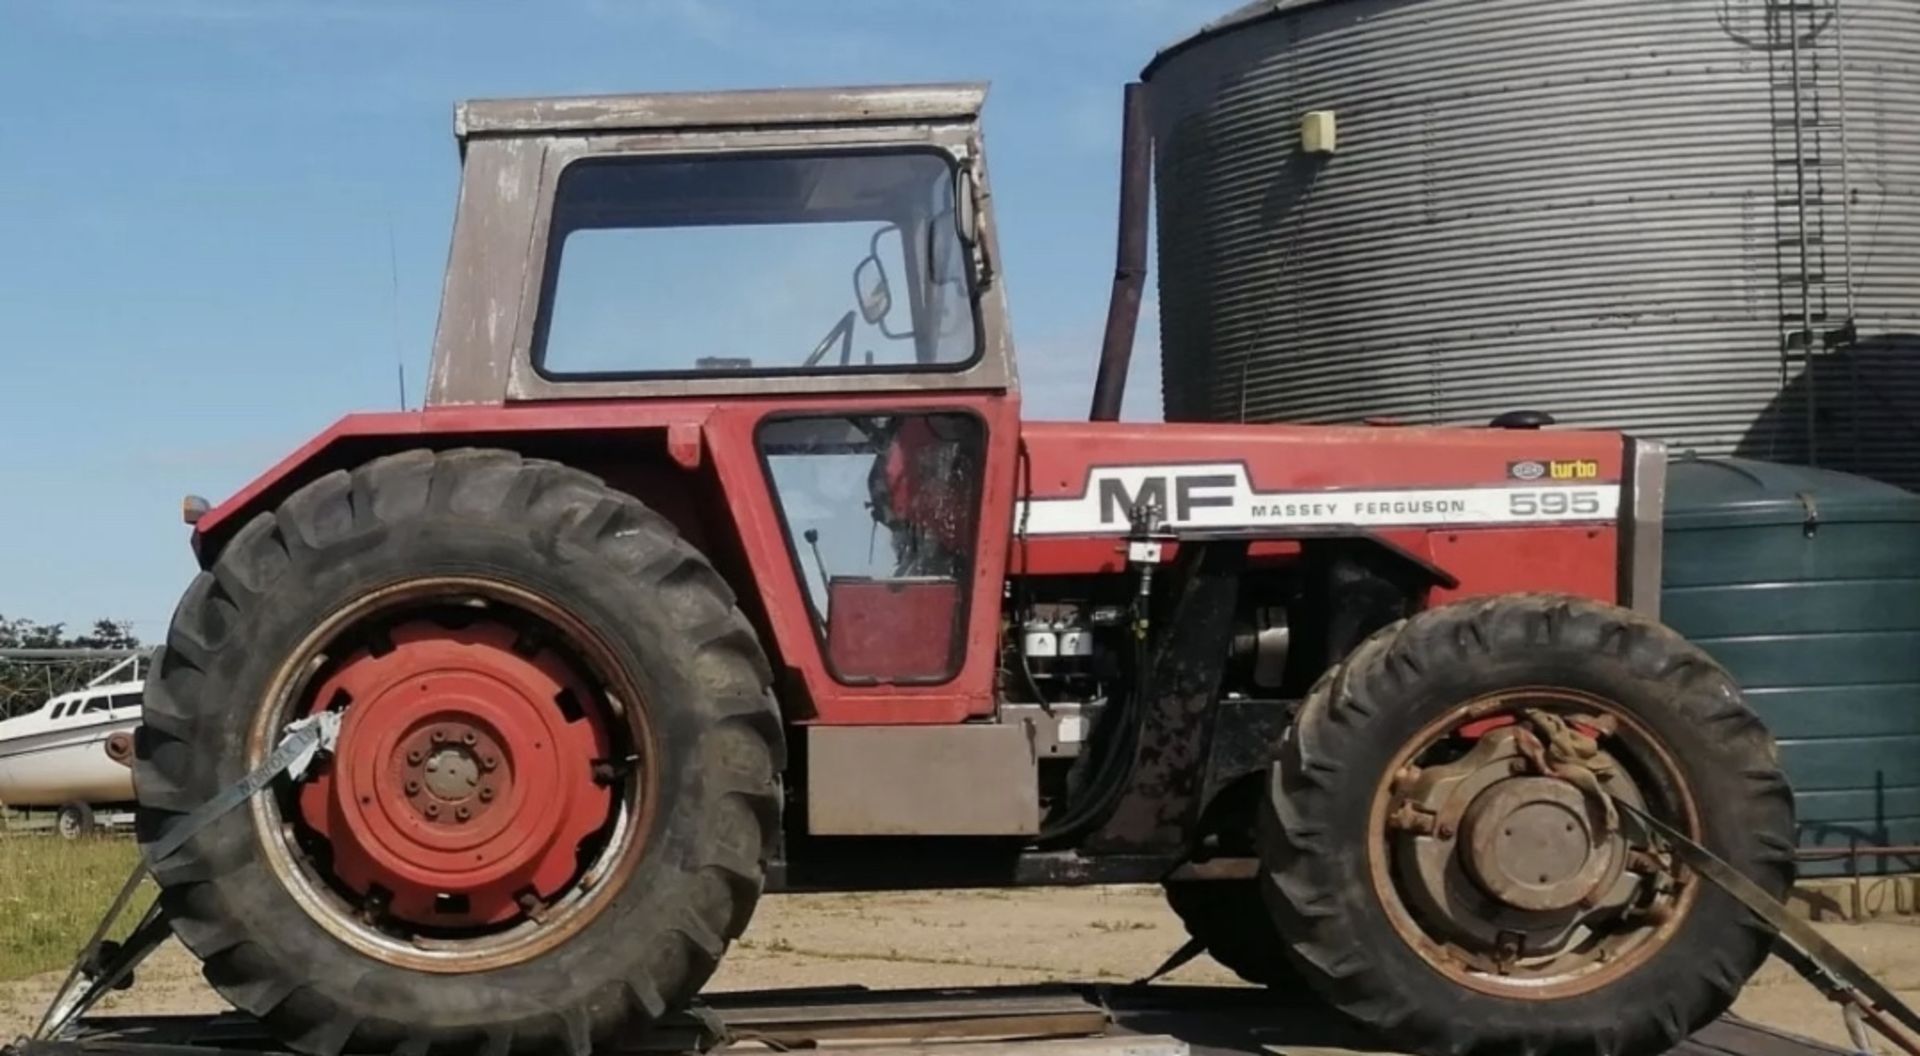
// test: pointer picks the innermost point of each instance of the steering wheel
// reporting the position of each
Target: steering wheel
(842, 332)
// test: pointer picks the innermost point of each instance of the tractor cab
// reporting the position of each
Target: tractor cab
(805, 282)
(729, 244)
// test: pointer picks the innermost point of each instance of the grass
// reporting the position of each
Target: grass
(52, 895)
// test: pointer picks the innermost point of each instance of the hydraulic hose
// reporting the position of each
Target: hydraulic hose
(1116, 766)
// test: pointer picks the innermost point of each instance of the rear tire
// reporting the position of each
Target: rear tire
(1393, 961)
(74, 821)
(643, 935)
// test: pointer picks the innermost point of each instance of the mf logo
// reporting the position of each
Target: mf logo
(1188, 491)
(1219, 496)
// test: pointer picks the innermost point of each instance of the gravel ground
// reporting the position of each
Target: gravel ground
(986, 937)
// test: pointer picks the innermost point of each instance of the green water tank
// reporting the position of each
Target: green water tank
(1805, 583)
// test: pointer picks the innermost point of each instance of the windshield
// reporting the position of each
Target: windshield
(764, 264)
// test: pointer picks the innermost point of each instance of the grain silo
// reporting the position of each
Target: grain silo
(1697, 220)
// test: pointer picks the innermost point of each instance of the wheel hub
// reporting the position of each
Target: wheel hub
(454, 765)
(463, 783)
(1502, 861)
(1529, 844)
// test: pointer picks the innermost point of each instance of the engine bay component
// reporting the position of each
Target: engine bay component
(1056, 731)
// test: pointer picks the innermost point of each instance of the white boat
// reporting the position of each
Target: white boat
(65, 750)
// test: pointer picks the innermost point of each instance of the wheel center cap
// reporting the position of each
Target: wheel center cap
(1531, 844)
(455, 769)
(452, 773)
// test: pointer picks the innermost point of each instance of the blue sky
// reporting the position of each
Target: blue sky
(223, 221)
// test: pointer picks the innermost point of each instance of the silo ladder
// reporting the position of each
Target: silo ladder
(1812, 191)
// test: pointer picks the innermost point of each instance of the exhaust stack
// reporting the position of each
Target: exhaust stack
(1130, 258)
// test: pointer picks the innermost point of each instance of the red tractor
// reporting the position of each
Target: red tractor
(666, 600)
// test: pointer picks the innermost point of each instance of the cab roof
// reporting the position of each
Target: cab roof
(889, 104)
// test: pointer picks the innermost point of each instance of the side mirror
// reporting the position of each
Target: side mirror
(965, 217)
(953, 234)
(871, 290)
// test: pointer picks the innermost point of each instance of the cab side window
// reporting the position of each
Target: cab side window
(881, 513)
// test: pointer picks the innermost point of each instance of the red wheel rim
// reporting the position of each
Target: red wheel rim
(464, 781)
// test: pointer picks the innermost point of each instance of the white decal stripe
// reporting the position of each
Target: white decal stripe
(1219, 497)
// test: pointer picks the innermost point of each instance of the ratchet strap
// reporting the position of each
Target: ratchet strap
(103, 965)
(1830, 971)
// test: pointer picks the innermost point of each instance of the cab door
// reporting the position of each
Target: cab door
(884, 525)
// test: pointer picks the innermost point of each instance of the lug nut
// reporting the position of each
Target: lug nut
(439, 736)
(1518, 766)
(415, 756)
(488, 762)
(486, 795)
(413, 788)
(433, 810)
(1445, 831)
(463, 813)
(469, 737)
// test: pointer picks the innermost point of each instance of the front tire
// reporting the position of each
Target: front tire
(1438, 885)
(534, 670)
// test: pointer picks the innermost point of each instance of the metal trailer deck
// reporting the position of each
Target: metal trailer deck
(1063, 1020)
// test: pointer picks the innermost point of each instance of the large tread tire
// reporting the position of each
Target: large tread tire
(1314, 824)
(666, 615)
(1230, 919)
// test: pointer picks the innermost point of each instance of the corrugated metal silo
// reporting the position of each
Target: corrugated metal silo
(1624, 212)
